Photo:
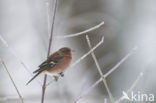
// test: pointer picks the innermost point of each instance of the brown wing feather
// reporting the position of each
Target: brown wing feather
(52, 60)
(49, 59)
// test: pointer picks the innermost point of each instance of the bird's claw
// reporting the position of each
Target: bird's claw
(61, 74)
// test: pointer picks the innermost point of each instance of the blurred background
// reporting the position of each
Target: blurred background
(25, 26)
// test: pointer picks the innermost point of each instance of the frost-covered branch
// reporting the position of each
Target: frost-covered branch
(83, 32)
(89, 52)
(100, 71)
(107, 74)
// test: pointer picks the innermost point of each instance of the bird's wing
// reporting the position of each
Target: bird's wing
(50, 62)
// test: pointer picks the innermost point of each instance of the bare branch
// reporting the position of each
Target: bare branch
(100, 71)
(49, 48)
(2, 62)
(122, 60)
(18, 58)
(86, 54)
(83, 32)
(107, 74)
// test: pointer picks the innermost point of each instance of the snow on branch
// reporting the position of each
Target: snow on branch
(89, 52)
(83, 32)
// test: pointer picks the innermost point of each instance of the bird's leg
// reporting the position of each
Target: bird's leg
(61, 74)
(56, 78)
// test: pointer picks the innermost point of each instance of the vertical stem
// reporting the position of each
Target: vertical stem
(49, 47)
(100, 71)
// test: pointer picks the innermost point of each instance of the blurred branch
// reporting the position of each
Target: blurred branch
(83, 32)
(89, 52)
(2, 62)
(120, 62)
(106, 74)
(100, 71)
(18, 58)
(49, 48)
(131, 87)
(85, 55)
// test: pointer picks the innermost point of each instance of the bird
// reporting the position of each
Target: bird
(55, 65)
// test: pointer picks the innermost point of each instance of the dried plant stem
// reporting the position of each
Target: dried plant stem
(100, 71)
(12, 80)
(49, 48)
(18, 58)
(89, 52)
(83, 32)
(121, 61)
(107, 74)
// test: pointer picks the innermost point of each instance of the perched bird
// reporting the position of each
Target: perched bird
(55, 64)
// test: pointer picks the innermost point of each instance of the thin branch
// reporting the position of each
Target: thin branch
(131, 87)
(89, 52)
(85, 55)
(100, 71)
(122, 60)
(17, 57)
(2, 62)
(106, 74)
(83, 32)
(49, 48)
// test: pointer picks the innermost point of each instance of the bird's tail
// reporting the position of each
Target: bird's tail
(33, 78)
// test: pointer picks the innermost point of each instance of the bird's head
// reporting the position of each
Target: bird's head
(65, 51)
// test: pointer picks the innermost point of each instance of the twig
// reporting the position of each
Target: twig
(49, 48)
(2, 62)
(89, 52)
(17, 56)
(131, 87)
(106, 74)
(122, 60)
(83, 32)
(85, 55)
(100, 71)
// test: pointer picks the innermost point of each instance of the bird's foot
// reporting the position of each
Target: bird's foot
(61, 74)
(56, 78)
